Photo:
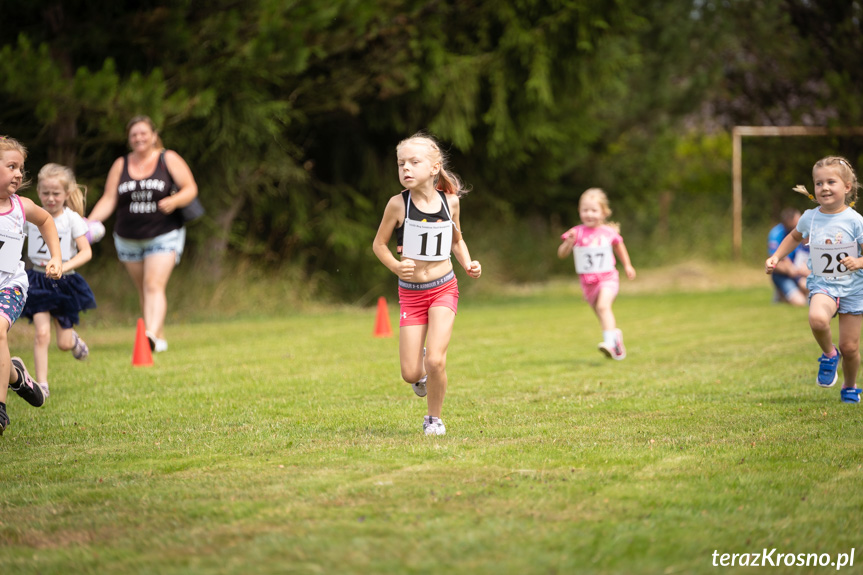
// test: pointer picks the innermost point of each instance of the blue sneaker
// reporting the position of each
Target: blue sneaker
(827, 369)
(850, 395)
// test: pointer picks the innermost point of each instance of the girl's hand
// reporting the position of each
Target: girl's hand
(54, 268)
(630, 272)
(853, 264)
(770, 264)
(405, 269)
(475, 269)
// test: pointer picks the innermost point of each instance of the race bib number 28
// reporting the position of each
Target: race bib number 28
(826, 258)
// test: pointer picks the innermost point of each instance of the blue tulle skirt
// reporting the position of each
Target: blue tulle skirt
(64, 298)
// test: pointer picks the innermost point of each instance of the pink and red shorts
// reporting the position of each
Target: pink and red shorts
(415, 299)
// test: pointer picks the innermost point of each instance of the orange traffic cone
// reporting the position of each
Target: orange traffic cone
(142, 355)
(382, 324)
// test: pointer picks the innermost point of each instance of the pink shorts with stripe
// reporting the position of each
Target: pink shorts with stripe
(415, 299)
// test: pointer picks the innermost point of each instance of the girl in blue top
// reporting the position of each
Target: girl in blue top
(835, 233)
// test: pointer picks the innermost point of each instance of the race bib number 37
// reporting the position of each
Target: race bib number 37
(593, 259)
(826, 258)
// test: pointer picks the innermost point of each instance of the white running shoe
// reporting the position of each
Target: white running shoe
(420, 386)
(433, 426)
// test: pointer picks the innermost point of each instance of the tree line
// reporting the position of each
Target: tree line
(289, 112)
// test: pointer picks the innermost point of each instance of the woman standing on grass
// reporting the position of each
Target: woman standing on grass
(148, 187)
(425, 218)
(835, 233)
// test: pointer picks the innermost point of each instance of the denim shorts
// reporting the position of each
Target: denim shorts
(136, 250)
(847, 304)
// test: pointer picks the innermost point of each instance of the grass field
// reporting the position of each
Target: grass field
(290, 445)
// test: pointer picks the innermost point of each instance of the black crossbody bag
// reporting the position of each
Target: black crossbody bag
(195, 209)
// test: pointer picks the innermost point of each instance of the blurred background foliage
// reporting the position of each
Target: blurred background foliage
(289, 112)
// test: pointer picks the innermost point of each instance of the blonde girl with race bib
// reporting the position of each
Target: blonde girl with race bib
(58, 301)
(425, 219)
(835, 233)
(594, 244)
(15, 211)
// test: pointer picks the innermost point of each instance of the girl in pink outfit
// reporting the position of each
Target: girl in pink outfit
(595, 243)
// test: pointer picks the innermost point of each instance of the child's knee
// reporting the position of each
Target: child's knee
(435, 363)
(849, 349)
(411, 374)
(43, 336)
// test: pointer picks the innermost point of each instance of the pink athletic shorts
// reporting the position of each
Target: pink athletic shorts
(591, 291)
(415, 299)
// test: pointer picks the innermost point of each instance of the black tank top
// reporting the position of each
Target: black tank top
(138, 217)
(442, 215)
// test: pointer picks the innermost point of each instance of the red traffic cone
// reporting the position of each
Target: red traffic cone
(142, 355)
(382, 324)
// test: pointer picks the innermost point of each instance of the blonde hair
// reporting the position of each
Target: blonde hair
(147, 120)
(8, 144)
(846, 173)
(445, 180)
(598, 195)
(76, 195)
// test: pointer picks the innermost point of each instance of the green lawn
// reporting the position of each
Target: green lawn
(290, 445)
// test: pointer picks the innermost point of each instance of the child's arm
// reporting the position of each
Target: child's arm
(43, 220)
(459, 247)
(623, 256)
(403, 268)
(791, 241)
(565, 248)
(84, 255)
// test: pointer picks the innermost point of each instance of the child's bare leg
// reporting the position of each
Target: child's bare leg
(821, 311)
(5, 358)
(441, 321)
(849, 346)
(411, 338)
(42, 325)
(602, 309)
(65, 337)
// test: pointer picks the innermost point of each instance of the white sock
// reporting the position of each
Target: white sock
(609, 336)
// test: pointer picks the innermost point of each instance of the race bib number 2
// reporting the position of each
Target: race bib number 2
(593, 259)
(37, 249)
(826, 258)
(11, 246)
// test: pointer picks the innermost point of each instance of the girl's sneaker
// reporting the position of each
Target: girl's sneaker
(28, 389)
(433, 426)
(828, 368)
(850, 395)
(420, 386)
(4, 419)
(618, 351)
(80, 351)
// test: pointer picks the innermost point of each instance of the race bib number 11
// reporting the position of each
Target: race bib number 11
(826, 258)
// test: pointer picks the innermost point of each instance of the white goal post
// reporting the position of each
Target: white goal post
(737, 134)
